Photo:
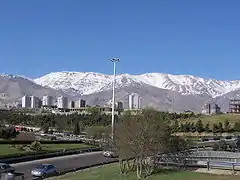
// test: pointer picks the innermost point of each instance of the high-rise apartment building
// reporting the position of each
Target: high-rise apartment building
(134, 101)
(47, 101)
(80, 103)
(26, 101)
(71, 104)
(119, 105)
(35, 102)
(62, 102)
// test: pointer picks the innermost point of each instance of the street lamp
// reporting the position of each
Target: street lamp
(114, 60)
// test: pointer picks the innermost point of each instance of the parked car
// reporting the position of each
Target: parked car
(5, 168)
(44, 170)
(12, 176)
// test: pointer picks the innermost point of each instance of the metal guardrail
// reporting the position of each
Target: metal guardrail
(191, 162)
(48, 155)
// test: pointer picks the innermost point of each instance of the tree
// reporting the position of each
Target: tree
(142, 137)
(97, 132)
(220, 146)
(227, 127)
(76, 130)
(220, 127)
(215, 128)
(8, 132)
(237, 127)
(207, 128)
(175, 126)
(192, 127)
(199, 126)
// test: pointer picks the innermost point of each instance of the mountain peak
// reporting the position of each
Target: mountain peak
(91, 82)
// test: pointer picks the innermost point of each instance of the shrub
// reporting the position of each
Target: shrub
(35, 146)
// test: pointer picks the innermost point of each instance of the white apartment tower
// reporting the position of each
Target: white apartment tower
(80, 103)
(134, 101)
(62, 102)
(26, 101)
(47, 101)
(35, 102)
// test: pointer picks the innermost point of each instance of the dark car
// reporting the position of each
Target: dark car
(5, 168)
(12, 176)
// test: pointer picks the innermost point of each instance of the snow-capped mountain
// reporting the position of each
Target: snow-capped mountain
(85, 83)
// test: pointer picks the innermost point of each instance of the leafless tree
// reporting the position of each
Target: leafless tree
(140, 138)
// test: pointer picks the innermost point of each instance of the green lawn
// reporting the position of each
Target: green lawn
(111, 172)
(232, 118)
(6, 149)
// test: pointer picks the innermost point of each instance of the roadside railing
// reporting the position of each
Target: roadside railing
(48, 155)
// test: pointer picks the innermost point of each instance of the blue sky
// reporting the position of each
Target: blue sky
(198, 37)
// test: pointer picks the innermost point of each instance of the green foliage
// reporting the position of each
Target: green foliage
(76, 130)
(59, 122)
(8, 132)
(175, 127)
(199, 126)
(220, 146)
(237, 127)
(227, 127)
(35, 146)
(207, 128)
(97, 132)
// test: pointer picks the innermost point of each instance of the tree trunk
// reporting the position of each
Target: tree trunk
(122, 165)
(148, 167)
(139, 168)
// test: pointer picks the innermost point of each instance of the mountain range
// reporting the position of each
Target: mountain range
(162, 91)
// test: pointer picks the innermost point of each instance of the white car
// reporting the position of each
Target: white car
(109, 154)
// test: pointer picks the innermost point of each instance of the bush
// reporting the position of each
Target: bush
(35, 146)
(220, 146)
(8, 132)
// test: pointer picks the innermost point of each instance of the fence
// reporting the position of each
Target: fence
(47, 155)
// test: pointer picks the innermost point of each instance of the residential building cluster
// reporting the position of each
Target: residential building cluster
(134, 101)
(211, 108)
(61, 102)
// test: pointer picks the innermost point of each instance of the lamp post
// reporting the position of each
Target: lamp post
(114, 60)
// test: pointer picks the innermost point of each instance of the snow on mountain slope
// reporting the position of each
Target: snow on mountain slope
(90, 82)
(84, 83)
(187, 84)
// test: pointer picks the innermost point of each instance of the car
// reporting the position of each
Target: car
(109, 154)
(44, 170)
(5, 168)
(12, 176)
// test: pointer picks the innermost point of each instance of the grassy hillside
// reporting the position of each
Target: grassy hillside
(232, 118)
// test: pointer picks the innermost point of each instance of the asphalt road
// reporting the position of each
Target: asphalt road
(63, 163)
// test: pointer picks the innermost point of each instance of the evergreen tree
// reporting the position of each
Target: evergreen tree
(237, 127)
(175, 126)
(220, 127)
(199, 126)
(207, 128)
(76, 129)
(227, 126)
(181, 129)
(215, 128)
(192, 127)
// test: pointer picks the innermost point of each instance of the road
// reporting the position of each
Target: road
(63, 163)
